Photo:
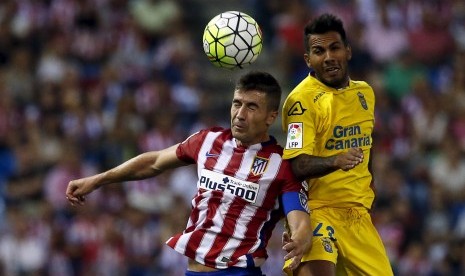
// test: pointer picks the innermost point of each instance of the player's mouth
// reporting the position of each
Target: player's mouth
(332, 69)
(239, 127)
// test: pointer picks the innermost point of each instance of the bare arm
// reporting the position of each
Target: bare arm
(145, 165)
(308, 166)
(300, 240)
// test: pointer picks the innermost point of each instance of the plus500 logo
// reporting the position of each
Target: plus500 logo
(245, 191)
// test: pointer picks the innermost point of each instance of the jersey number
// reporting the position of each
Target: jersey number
(317, 232)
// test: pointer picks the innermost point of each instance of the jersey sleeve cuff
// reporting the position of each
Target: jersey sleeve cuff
(294, 201)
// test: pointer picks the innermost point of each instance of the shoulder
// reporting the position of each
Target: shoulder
(303, 96)
(361, 85)
(203, 133)
(306, 87)
(215, 129)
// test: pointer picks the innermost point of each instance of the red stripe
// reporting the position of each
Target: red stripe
(194, 217)
(235, 162)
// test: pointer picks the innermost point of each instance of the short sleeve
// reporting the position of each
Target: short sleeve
(188, 150)
(299, 122)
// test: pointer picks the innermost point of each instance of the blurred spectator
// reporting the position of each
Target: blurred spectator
(288, 26)
(21, 251)
(428, 118)
(384, 39)
(415, 262)
(448, 171)
(155, 17)
(432, 43)
(56, 180)
(19, 78)
(142, 245)
(399, 75)
(362, 61)
(52, 62)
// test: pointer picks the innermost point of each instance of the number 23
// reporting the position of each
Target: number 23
(317, 231)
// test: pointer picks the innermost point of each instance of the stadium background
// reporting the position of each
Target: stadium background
(87, 84)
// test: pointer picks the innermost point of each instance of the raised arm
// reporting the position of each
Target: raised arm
(145, 165)
(307, 166)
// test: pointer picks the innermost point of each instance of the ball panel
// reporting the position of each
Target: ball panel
(232, 40)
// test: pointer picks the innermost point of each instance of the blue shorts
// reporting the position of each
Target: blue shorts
(232, 271)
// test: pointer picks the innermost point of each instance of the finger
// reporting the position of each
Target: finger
(291, 254)
(75, 200)
(72, 200)
(356, 152)
(289, 246)
(285, 238)
(295, 263)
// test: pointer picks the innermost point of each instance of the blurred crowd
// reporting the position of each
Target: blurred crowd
(88, 84)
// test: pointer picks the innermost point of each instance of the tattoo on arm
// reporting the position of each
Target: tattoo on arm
(306, 166)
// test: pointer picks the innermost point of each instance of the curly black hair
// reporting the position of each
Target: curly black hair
(323, 24)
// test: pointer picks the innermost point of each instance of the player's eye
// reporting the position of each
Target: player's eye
(335, 47)
(252, 107)
(317, 51)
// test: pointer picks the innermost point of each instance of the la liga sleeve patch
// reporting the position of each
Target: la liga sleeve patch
(294, 135)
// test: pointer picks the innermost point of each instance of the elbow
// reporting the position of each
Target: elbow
(298, 171)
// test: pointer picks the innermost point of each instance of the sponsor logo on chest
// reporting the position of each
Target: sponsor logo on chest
(214, 181)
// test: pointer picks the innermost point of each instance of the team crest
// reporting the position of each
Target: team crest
(326, 242)
(362, 100)
(296, 109)
(259, 165)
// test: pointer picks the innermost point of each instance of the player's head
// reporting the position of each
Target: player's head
(255, 106)
(327, 50)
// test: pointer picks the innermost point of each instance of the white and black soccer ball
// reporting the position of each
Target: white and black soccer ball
(232, 40)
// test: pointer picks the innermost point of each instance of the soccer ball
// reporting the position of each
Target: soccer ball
(232, 40)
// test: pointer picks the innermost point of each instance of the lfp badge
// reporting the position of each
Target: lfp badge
(294, 136)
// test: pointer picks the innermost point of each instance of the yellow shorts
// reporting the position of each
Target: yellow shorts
(347, 238)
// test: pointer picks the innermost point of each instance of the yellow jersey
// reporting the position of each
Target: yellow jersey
(324, 121)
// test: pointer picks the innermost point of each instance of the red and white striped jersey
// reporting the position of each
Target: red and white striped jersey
(237, 203)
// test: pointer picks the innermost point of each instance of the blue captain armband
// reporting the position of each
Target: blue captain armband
(295, 201)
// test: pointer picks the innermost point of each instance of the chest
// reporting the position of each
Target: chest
(347, 111)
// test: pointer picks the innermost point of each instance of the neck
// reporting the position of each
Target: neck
(243, 144)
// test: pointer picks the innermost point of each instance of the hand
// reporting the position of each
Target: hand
(348, 160)
(295, 250)
(77, 189)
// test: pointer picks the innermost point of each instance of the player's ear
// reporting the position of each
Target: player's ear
(307, 60)
(272, 115)
(349, 52)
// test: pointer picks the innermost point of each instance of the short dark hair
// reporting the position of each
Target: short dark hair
(321, 25)
(264, 82)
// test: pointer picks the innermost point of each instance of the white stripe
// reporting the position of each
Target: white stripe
(242, 261)
(181, 244)
(225, 157)
(247, 160)
(206, 146)
(268, 177)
